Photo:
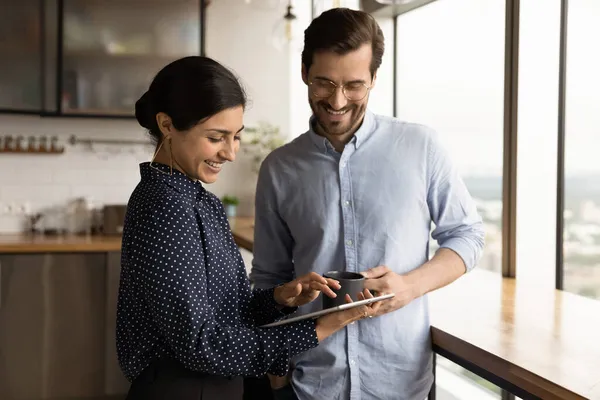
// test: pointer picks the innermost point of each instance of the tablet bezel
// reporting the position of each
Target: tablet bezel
(326, 311)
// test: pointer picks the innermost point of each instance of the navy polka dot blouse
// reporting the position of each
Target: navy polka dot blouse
(184, 292)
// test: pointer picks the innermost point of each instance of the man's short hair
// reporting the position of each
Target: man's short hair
(343, 30)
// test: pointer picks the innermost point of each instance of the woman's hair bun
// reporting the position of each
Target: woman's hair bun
(188, 90)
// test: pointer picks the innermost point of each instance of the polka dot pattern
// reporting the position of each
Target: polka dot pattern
(184, 292)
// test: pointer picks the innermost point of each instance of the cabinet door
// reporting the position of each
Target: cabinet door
(22, 326)
(114, 380)
(21, 49)
(111, 50)
(74, 308)
(52, 326)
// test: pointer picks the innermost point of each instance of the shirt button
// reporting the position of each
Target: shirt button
(349, 242)
(352, 362)
(347, 203)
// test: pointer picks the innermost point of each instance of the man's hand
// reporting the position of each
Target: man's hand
(384, 281)
(305, 289)
(444, 267)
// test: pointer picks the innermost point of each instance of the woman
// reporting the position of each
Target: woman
(187, 320)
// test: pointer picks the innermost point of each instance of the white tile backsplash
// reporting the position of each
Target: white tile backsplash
(106, 174)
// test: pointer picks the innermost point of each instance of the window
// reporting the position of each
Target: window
(456, 383)
(381, 98)
(539, 45)
(581, 233)
(450, 76)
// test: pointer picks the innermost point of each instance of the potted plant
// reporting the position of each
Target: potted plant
(230, 203)
(260, 140)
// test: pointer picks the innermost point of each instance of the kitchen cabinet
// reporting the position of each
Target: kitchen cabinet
(57, 314)
(91, 57)
(115, 383)
(111, 50)
(21, 49)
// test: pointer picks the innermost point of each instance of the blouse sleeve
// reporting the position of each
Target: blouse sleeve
(168, 254)
(264, 309)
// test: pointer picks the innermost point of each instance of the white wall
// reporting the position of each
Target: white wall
(238, 36)
(241, 38)
(300, 111)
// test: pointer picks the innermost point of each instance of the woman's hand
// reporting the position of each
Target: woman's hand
(331, 323)
(305, 289)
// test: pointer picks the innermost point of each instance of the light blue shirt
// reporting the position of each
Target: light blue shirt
(372, 204)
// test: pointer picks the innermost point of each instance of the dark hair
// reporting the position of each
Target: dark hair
(343, 30)
(188, 90)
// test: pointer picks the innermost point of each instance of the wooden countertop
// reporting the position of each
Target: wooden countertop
(243, 231)
(545, 342)
(29, 243)
(38, 243)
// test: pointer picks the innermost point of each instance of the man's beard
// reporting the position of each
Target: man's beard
(350, 122)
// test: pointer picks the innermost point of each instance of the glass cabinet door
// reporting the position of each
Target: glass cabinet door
(111, 50)
(21, 64)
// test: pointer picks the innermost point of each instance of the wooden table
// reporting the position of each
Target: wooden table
(535, 343)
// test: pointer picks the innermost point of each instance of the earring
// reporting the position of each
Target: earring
(170, 154)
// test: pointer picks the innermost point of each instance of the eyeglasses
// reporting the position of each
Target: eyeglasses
(353, 91)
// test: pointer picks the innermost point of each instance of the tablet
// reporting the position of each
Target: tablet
(317, 314)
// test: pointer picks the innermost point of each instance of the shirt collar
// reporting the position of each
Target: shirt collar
(364, 131)
(177, 180)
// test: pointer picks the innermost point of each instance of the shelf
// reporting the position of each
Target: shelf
(101, 55)
(73, 140)
(27, 151)
(97, 111)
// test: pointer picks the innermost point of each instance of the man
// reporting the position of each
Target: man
(359, 192)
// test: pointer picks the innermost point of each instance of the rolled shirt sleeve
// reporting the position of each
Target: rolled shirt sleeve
(458, 225)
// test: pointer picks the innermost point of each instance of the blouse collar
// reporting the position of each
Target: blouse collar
(177, 179)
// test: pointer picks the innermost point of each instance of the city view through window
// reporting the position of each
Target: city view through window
(581, 235)
(454, 83)
(451, 79)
